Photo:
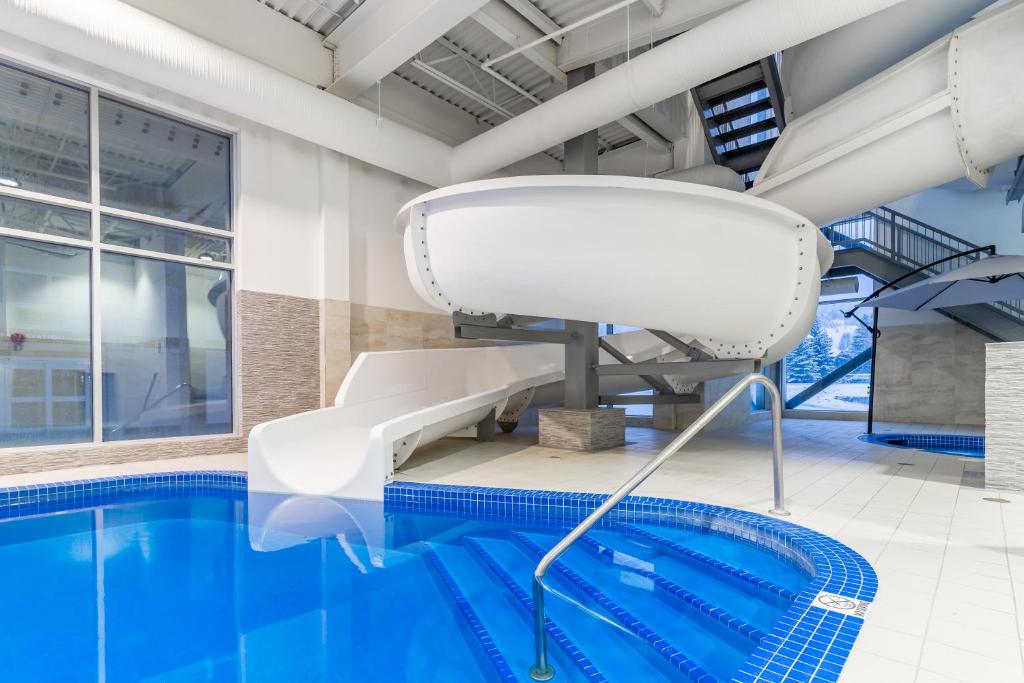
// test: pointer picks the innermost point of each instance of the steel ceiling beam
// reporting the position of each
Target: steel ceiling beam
(380, 36)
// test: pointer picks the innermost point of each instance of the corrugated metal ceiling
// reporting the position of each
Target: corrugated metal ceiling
(450, 67)
(323, 16)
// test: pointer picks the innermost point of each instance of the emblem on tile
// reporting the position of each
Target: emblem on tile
(842, 604)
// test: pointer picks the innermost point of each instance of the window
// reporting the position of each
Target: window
(127, 237)
(45, 360)
(831, 368)
(44, 135)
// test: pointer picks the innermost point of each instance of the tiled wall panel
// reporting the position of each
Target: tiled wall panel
(1004, 416)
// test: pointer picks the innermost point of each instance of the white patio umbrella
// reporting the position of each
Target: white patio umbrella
(987, 280)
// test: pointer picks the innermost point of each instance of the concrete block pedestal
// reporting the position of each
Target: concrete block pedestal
(591, 429)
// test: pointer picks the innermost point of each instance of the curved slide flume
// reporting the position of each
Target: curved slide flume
(394, 401)
(736, 274)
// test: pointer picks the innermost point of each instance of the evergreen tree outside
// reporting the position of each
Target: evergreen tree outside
(812, 359)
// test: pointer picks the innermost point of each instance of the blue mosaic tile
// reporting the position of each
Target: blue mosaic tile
(675, 657)
(554, 631)
(688, 599)
(807, 644)
(744, 576)
(472, 620)
(948, 444)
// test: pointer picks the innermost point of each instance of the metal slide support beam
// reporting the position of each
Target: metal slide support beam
(720, 368)
(512, 334)
(581, 359)
(642, 400)
(830, 379)
(581, 353)
(485, 427)
(581, 151)
(681, 346)
(659, 385)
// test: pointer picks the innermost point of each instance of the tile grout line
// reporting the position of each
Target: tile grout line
(938, 582)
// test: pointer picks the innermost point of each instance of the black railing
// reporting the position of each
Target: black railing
(911, 243)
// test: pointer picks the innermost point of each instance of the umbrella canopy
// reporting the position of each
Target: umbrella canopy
(995, 278)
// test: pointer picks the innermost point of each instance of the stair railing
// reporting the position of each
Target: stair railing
(911, 243)
(542, 669)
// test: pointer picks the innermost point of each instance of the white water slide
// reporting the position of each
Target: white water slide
(733, 272)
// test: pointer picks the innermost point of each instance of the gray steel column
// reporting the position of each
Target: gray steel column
(581, 355)
(581, 151)
(581, 358)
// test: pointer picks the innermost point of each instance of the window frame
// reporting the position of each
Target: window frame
(97, 247)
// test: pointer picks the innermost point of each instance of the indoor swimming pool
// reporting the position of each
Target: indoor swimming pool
(969, 446)
(189, 577)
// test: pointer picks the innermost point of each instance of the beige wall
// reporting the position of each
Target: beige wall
(352, 328)
(930, 373)
(279, 374)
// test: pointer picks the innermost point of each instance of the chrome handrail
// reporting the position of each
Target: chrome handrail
(541, 669)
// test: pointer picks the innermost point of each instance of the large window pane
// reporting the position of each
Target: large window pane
(166, 348)
(45, 388)
(163, 167)
(44, 135)
(21, 214)
(834, 340)
(139, 235)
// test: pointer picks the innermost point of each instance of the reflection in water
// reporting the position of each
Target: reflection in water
(227, 588)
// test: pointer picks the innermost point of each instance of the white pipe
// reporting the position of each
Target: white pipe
(554, 34)
(131, 42)
(951, 110)
(827, 66)
(751, 31)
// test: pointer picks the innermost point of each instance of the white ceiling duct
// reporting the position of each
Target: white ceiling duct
(741, 35)
(952, 110)
(126, 40)
(827, 66)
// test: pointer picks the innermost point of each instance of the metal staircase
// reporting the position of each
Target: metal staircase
(885, 244)
(742, 115)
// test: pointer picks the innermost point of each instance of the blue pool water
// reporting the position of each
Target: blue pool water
(214, 584)
(948, 444)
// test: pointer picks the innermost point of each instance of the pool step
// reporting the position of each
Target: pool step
(611, 653)
(741, 600)
(455, 572)
(670, 588)
(675, 657)
(554, 631)
(755, 584)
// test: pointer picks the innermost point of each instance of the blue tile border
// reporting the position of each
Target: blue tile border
(746, 577)
(673, 655)
(692, 600)
(964, 445)
(35, 499)
(472, 620)
(554, 631)
(808, 643)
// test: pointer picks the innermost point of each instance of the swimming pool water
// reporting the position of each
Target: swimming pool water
(198, 589)
(969, 446)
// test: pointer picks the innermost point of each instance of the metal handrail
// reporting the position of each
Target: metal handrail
(911, 243)
(541, 669)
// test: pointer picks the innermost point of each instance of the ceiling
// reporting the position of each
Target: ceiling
(451, 68)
